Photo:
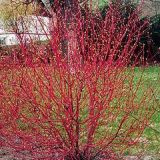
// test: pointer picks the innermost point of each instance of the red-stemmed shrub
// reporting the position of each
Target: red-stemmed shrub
(85, 103)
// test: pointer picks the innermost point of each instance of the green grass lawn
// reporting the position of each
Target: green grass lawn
(150, 144)
(151, 77)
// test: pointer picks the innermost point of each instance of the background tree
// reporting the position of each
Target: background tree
(11, 11)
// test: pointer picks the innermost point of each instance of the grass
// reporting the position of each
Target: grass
(151, 77)
(150, 142)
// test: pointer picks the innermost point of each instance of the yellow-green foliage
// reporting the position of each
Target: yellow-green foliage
(10, 11)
